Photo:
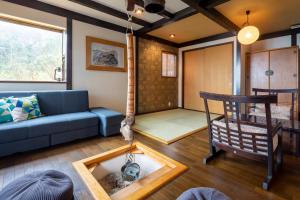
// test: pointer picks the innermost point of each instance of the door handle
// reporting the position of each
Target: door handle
(269, 73)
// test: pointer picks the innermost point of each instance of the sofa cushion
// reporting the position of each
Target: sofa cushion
(108, 117)
(13, 131)
(60, 123)
(57, 102)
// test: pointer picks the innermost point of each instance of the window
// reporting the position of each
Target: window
(169, 64)
(30, 52)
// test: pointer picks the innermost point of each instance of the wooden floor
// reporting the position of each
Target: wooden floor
(236, 177)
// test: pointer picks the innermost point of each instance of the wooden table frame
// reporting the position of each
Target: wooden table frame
(141, 188)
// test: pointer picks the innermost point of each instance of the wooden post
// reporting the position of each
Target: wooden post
(127, 123)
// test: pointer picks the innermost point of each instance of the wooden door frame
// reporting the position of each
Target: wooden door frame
(200, 48)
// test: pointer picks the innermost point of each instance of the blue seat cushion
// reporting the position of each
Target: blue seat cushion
(108, 117)
(56, 102)
(13, 131)
(50, 185)
(61, 123)
(110, 130)
(47, 125)
(203, 193)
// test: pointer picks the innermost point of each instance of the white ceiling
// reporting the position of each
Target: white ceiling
(171, 6)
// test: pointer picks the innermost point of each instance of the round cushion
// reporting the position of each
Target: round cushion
(202, 193)
(46, 185)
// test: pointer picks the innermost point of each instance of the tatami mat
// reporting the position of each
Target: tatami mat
(172, 125)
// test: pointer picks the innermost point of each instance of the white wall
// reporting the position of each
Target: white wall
(35, 15)
(107, 89)
(237, 69)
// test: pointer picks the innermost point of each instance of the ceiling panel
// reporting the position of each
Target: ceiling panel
(267, 15)
(174, 6)
(171, 6)
(191, 28)
(89, 12)
(120, 5)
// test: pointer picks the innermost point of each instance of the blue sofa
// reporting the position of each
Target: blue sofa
(67, 118)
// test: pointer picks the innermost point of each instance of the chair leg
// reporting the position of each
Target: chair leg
(291, 142)
(268, 179)
(266, 183)
(212, 155)
(279, 155)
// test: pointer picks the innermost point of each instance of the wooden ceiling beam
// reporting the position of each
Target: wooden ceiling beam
(38, 5)
(214, 15)
(165, 14)
(212, 3)
(108, 10)
(206, 39)
(163, 22)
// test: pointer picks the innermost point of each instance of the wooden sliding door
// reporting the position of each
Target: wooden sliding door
(208, 69)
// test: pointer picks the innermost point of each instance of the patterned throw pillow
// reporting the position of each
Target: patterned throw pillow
(5, 115)
(24, 108)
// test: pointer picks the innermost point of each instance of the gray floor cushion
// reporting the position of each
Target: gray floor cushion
(46, 185)
(202, 193)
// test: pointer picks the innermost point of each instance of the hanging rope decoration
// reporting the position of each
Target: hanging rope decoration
(130, 170)
(127, 123)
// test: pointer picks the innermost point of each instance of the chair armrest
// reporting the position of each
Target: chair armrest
(219, 118)
(276, 128)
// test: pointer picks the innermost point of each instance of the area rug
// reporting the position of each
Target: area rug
(172, 125)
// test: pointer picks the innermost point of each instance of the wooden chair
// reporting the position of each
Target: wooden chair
(278, 111)
(231, 133)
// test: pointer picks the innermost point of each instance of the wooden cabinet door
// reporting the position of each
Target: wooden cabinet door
(284, 64)
(257, 65)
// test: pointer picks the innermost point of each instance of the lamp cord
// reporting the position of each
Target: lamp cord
(129, 21)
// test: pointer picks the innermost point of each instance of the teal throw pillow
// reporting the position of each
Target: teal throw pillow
(5, 115)
(24, 108)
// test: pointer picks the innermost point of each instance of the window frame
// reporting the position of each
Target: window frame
(48, 27)
(176, 64)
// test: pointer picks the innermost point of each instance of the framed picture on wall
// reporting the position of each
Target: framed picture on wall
(104, 55)
(168, 64)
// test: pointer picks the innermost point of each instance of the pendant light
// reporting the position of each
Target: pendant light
(248, 34)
